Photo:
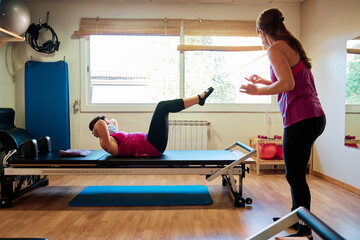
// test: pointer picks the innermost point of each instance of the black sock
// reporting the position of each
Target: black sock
(303, 230)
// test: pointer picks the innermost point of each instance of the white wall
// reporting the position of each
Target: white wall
(326, 25)
(7, 84)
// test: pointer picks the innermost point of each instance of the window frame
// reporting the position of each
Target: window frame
(87, 106)
(85, 95)
(352, 108)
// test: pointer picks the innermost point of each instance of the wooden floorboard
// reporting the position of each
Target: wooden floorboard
(44, 212)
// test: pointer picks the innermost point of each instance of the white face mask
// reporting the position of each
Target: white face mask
(265, 44)
(112, 128)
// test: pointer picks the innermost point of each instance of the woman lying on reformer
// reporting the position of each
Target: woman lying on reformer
(151, 144)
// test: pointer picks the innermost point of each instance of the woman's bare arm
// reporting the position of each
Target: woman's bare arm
(101, 131)
(282, 70)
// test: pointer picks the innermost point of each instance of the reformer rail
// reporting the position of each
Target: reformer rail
(301, 213)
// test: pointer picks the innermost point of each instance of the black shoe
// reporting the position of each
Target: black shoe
(303, 231)
(295, 226)
(206, 95)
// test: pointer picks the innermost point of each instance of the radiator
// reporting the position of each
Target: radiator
(187, 135)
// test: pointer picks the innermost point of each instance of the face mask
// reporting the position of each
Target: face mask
(112, 128)
(264, 42)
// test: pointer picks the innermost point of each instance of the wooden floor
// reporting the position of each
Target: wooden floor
(44, 212)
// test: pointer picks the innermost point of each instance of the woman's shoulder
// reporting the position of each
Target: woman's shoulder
(100, 124)
(281, 47)
(277, 49)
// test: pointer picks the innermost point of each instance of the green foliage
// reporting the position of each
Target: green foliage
(353, 81)
(204, 69)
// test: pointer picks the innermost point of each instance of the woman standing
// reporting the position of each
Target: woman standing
(303, 117)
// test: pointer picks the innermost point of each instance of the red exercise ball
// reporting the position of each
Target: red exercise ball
(351, 145)
(280, 152)
(267, 150)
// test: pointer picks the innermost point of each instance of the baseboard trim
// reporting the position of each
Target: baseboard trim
(336, 182)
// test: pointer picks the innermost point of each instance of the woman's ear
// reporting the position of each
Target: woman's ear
(260, 32)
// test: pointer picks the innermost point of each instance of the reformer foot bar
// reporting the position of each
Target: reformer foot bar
(301, 213)
(211, 163)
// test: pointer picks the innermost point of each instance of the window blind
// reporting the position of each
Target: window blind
(171, 27)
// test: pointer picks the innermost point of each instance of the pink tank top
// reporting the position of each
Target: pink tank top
(301, 102)
(134, 145)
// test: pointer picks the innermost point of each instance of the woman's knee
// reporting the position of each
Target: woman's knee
(295, 178)
(290, 178)
(161, 105)
(159, 108)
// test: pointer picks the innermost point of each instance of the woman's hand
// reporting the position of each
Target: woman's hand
(254, 79)
(113, 121)
(107, 143)
(249, 88)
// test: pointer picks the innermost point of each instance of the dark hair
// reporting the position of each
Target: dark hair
(92, 123)
(271, 23)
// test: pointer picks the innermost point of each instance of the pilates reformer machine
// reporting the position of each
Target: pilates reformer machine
(211, 163)
(24, 166)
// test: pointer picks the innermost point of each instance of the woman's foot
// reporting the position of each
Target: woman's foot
(203, 96)
(303, 231)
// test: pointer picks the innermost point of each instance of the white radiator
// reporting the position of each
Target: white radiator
(187, 135)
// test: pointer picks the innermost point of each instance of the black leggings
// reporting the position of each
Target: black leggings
(297, 143)
(159, 126)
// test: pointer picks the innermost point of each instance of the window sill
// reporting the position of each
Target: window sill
(352, 108)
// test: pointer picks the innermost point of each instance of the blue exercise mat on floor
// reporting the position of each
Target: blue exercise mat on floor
(143, 196)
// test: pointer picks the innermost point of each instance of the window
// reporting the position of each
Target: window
(133, 69)
(225, 70)
(352, 72)
(352, 89)
(132, 72)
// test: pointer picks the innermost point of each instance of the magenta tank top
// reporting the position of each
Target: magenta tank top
(302, 102)
(134, 145)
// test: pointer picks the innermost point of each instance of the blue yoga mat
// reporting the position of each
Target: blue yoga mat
(143, 196)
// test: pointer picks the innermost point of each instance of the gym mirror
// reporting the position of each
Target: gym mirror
(352, 96)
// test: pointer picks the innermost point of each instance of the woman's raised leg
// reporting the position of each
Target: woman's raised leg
(159, 125)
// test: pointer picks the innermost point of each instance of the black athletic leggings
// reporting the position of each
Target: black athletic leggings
(159, 126)
(297, 143)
